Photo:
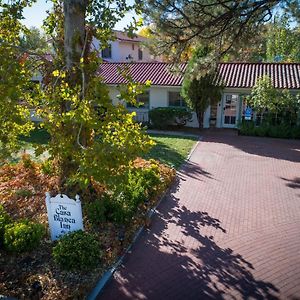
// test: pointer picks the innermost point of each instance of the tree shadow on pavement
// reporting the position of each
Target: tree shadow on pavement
(177, 259)
(292, 183)
(194, 171)
(286, 149)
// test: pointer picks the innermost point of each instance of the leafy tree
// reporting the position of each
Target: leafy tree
(14, 80)
(282, 41)
(264, 95)
(34, 40)
(90, 138)
(265, 98)
(146, 32)
(202, 91)
(184, 23)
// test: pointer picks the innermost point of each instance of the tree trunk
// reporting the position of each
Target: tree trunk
(200, 116)
(74, 48)
(74, 31)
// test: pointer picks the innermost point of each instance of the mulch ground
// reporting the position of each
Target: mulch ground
(34, 275)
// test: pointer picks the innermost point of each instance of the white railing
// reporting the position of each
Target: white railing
(141, 117)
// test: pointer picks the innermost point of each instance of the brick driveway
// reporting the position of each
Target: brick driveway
(230, 229)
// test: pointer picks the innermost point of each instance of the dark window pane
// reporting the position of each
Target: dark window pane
(140, 54)
(106, 53)
(175, 99)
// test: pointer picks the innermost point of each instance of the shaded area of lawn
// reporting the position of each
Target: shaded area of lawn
(38, 136)
(171, 150)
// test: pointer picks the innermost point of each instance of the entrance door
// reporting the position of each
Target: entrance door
(230, 110)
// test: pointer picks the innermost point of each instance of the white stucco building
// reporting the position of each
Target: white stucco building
(126, 49)
(237, 79)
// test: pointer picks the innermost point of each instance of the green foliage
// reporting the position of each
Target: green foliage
(93, 137)
(98, 211)
(77, 250)
(200, 92)
(34, 40)
(282, 41)
(4, 220)
(181, 24)
(23, 236)
(263, 95)
(15, 79)
(268, 130)
(139, 186)
(265, 98)
(161, 117)
(89, 136)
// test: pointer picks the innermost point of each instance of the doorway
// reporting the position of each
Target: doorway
(230, 110)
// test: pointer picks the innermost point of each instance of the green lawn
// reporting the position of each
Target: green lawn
(171, 150)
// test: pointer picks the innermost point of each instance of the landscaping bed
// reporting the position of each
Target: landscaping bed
(35, 274)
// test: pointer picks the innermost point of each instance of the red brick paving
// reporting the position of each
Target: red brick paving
(230, 229)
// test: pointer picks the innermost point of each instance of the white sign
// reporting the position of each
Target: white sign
(64, 215)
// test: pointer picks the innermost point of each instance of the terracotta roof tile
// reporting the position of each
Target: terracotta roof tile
(233, 75)
(245, 75)
(158, 73)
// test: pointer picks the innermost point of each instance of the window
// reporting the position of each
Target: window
(106, 52)
(142, 99)
(175, 99)
(140, 54)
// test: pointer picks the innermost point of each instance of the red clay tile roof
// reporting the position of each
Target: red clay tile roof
(244, 75)
(158, 73)
(234, 75)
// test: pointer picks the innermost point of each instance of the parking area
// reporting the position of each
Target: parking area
(228, 229)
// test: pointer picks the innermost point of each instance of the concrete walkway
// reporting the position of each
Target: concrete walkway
(230, 228)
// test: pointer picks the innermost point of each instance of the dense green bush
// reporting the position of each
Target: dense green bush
(266, 129)
(4, 220)
(138, 188)
(77, 250)
(161, 117)
(119, 207)
(97, 211)
(23, 236)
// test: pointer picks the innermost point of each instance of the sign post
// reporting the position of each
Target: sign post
(64, 215)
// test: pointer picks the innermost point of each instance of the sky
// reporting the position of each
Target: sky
(35, 15)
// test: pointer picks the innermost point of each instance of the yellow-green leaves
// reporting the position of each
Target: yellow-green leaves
(15, 87)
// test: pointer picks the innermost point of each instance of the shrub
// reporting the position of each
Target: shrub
(142, 183)
(77, 250)
(139, 187)
(161, 117)
(97, 210)
(4, 220)
(265, 129)
(23, 236)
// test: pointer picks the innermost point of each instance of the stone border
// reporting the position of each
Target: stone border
(106, 277)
